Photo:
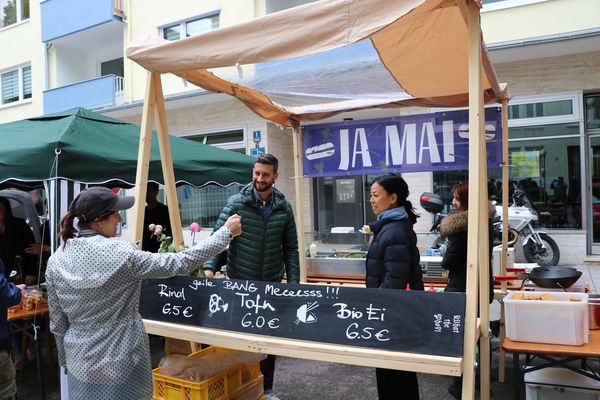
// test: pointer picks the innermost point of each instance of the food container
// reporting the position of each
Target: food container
(556, 321)
(594, 310)
(239, 382)
(31, 298)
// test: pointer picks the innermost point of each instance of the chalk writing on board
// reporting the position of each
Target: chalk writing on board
(415, 321)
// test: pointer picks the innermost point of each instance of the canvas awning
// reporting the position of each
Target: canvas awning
(83, 146)
(322, 58)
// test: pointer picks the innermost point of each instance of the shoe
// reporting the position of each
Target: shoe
(455, 390)
(270, 396)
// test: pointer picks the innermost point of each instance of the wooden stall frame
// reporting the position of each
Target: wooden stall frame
(477, 255)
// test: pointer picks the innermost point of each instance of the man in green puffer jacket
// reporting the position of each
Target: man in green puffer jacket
(268, 246)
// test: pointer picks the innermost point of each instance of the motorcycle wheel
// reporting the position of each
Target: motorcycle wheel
(549, 257)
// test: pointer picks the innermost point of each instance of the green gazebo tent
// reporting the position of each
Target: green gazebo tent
(67, 151)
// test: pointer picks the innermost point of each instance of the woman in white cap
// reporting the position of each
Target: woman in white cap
(94, 292)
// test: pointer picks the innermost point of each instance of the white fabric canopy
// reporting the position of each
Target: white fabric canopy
(322, 58)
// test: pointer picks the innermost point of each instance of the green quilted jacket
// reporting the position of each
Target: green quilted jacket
(265, 249)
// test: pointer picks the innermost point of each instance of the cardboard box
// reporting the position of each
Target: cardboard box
(556, 321)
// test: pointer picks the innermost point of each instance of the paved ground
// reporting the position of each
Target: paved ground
(297, 379)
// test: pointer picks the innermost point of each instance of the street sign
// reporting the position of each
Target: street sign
(256, 151)
(256, 136)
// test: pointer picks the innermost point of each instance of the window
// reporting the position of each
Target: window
(112, 67)
(190, 27)
(229, 140)
(592, 112)
(13, 11)
(492, 5)
(543, 110)
(544, 158)
(15, 85)
(203, 205)
(548, 170)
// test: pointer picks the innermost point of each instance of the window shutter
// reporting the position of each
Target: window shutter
(27, 82)
(10, 86)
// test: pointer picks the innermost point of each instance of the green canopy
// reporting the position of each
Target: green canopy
(80, 145)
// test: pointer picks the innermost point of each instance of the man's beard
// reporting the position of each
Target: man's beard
(267, 187)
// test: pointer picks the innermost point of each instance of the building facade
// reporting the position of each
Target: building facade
(67, 53)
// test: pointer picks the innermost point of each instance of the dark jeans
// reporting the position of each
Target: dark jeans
(267, 368)
(393, 384)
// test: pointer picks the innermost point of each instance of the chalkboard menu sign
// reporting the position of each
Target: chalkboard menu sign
(408, 321)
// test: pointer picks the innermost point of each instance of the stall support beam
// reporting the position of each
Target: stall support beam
(143, 160)
(166, 159)
(154, 110)
(477, 250)
(504, 254)
(298, 176)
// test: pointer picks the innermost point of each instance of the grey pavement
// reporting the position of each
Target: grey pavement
(299, 379)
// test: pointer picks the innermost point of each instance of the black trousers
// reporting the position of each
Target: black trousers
(267, 368)
(393, 384)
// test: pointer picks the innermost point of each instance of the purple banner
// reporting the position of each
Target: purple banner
(412, 143)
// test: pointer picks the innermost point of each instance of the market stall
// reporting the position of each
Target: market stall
(404, 53)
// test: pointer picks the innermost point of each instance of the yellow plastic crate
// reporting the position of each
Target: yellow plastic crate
(232, 384)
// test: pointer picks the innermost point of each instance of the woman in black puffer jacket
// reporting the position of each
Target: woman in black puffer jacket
(393, 263)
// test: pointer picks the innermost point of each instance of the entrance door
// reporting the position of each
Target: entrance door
(348, 198)
(594, 198)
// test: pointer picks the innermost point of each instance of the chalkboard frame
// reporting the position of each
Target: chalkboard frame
(160, 296)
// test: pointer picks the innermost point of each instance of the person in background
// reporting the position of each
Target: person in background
(155, 213)
(269, 245)
(15, 236)
(454, 227)
(393, 262)
(10, 295)
(94, 283)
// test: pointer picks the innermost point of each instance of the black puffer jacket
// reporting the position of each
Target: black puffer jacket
(393, 257)
(265, 249)
(454, 227)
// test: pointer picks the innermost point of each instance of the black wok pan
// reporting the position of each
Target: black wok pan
(554, 277)
(551, 277)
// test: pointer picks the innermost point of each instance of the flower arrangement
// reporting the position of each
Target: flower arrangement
(167, 245)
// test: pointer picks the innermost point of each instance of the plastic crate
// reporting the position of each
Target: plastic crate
(239, 382)
(557, 321)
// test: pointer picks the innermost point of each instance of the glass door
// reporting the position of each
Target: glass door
(594, 185)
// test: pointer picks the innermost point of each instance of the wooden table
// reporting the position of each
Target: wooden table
(554, 355)
(29, 317)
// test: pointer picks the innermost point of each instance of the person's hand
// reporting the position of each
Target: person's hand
(234, 223)
(37, 248)
(22, 289)
(208, 273)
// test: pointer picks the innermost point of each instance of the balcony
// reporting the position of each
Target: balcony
(61, 18)
(93, 93)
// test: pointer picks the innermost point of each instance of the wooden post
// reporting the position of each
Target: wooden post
(478, 221)
(166, 160)
(504, 254)
(298, 175)
(143, 163)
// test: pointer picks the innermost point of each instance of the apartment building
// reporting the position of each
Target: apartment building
(67, 53)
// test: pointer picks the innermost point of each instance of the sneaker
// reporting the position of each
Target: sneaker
(269, 395)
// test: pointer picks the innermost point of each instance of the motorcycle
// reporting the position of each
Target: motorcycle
(433, 204)
(538, 247)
